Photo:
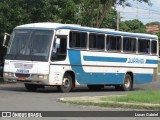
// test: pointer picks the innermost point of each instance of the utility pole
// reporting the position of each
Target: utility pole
(118, 19)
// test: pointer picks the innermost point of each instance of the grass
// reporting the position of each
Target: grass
(158, 67)
(147, 99)
(146, 96)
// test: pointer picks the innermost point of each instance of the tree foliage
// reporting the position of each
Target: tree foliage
(93, 13)
(133, 26)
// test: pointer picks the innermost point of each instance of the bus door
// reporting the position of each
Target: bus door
(59, 50)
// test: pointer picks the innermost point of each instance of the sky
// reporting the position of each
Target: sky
(141, 11)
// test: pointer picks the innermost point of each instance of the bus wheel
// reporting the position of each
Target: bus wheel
(31, 87)
(95, 87)
(127, 84)
(66, 84)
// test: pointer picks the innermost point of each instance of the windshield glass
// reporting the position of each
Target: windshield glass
(30, 45)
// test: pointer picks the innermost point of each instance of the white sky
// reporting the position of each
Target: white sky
(141, 11)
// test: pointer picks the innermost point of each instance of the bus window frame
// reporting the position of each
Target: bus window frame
(94, 49)
(114, 51)
(77, 48)
(130, 52)
(143, 53)
(154, 54)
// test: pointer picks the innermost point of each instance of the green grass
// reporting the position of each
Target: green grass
(146, 96)
(146, 99)
(158, 67)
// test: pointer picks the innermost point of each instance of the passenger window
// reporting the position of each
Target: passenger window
(154, 47)
(78, 40)
(144, 46)
(96, 41)
(113, 43)
(129, 44)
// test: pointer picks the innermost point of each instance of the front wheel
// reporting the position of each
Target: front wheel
(66, 84)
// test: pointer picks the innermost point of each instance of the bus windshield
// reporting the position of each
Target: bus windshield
(31, 45)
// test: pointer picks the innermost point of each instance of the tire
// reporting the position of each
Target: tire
(95, 87)
(127, 84)
(67, 84)
(31, 87)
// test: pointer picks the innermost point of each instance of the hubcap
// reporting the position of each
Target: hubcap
(66, 83)
(127, 82)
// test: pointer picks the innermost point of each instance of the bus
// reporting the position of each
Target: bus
(68, 55)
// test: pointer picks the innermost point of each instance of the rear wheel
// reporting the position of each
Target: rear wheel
(127, 84)
(67, 84)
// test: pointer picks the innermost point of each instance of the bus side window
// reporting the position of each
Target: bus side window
(154, 47)
(96, 41)
(78, 40)
(108, 45)
(129, 44)
(144, 46)
(114, 43)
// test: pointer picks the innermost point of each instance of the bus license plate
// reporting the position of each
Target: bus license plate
(21, 78)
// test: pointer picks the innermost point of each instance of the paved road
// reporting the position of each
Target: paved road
(14, 97)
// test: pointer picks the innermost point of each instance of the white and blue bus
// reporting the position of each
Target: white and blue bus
(66, 55)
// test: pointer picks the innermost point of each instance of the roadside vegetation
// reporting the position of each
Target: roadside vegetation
(159, 67)
(145, 96)
(146, 99)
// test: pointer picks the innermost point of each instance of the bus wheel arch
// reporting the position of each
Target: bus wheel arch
(127, 82)
(68, 82)
(72, 74)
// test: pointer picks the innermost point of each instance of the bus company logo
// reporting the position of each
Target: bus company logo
(136, 60)
(6, 114)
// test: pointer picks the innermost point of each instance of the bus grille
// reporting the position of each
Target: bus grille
(22, 75)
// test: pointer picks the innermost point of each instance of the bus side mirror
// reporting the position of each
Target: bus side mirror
(6, 40)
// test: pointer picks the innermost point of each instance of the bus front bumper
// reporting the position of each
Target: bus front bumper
(26, 78)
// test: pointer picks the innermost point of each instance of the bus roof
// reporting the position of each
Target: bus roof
(56, 26)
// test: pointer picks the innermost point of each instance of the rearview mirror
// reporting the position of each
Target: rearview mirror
(6, 40)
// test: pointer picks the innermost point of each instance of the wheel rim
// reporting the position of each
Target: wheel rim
(127, 82)
(66, 82)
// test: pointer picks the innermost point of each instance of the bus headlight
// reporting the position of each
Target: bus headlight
(43, 77)
(8, 74)
(34, 76)
(5, 74)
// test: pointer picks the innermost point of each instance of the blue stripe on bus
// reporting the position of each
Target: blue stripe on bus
(151, 61)
(104, 59)
(100, 78)
(113, 59)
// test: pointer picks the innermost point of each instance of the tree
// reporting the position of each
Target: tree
(133, 26)
(17, 12)
(93, 13)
